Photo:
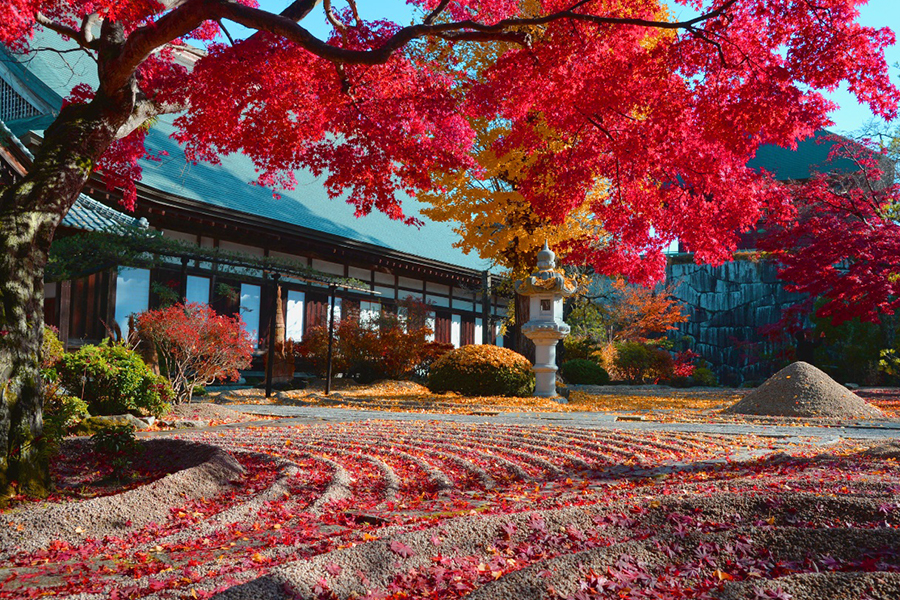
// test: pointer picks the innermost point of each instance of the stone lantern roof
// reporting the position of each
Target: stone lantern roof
(546, 280)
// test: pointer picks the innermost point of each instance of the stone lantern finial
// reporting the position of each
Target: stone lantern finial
(546, 259)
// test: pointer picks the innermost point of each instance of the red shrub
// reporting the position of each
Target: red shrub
(195, 345)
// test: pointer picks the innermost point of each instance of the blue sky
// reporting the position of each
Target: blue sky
(878, 13)
(850, 117)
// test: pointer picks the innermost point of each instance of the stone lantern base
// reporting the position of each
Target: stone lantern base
(545, 340)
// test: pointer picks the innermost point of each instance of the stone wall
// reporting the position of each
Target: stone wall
(727, 306)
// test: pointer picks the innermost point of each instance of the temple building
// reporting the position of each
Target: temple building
(216, 207)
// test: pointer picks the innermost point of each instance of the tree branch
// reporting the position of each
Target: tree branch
(355, 11)
(225, 31)
(189, 14)
(515, 37)
(144, 110)
(87, 26)
(65, 30)
(329, 14)
(436, 12)
(264, 21)
(299, 10)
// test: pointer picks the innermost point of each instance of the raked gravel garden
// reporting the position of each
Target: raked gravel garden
(427, 509)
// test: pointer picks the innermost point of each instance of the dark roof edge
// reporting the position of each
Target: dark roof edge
(175, 201)
(18, 69)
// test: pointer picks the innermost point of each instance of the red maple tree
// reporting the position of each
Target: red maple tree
(844, 245)
(611, 96)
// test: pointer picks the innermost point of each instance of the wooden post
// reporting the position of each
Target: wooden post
(524, 346)
(111, 304)
(333, 290)
(270, 357)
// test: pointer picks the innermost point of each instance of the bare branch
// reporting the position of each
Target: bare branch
(190, 14)
(436, 12)
(263, 21)
(354, 11)
(64, 30)
(61, 52)
(702, 35)
(88, 23)
(225, 31)
(515, 37)
(329, 14)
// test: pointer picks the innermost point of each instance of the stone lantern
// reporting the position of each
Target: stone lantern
(546, 289)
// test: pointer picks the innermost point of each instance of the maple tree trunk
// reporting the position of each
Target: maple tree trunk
(524, 346)
(30, 211)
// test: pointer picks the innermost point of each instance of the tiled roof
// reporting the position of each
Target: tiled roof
(811, 156)
(228, 185)
(90, 215)
(86, 214)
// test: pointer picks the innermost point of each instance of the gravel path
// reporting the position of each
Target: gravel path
(518, 505)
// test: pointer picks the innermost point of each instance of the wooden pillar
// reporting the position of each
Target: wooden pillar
(65, 312)
(333, 291)
(270, 357)
(111, 303)
(524, 346)
(182, 291)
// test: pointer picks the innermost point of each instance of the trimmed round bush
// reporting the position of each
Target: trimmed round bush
(113, 379)
(482, 371)
(705, 377)
(581, 371)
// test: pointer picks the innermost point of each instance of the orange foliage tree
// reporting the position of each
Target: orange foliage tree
(642, 313)
(623, 312)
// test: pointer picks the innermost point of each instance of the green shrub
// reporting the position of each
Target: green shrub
(51, 349)
(580, 347)
(632, 361)
(117, 447)
(583, 371)
(113, 379)
(62, 413)
(638, 362)
(704, 377)
(482, 371)
(682, 381)
(199, 390)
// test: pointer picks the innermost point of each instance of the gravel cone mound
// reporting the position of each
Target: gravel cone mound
(802, 390)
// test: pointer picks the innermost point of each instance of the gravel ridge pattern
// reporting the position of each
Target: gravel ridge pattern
(205, 471)
(380, 509)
